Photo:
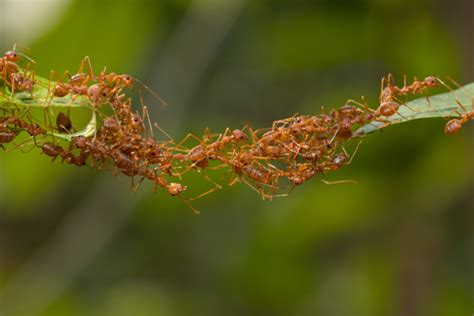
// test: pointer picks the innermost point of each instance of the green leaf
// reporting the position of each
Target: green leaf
(441, 105)
(40, 97)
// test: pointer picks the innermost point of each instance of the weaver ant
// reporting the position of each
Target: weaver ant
(243, 163)
(391, 91)
(453, 126)
(77, 84)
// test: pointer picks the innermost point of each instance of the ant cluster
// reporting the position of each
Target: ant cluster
(294, 149)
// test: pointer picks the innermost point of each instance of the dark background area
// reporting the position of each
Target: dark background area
(399, 242)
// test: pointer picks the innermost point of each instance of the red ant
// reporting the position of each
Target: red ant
(243, 163)
(77, 84)
(8, 64)
(454, 125)
(391, 91)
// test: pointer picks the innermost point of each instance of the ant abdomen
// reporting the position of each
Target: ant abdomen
(452, 127)
(51, 149)
(7, 136)
(388, 109)
(197, 153)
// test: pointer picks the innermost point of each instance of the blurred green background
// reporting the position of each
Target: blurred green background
(400, 242)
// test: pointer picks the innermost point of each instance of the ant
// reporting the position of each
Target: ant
(200, 154)
(77, 84)
(243, 163)
(8, 64)
(453, 126)
(10, 74)
(389, 94)
(391, 91)
(53, 150)
(22, 82)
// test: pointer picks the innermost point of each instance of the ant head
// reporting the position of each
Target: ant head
(297, 180)
(105, 92)
(12, 55)
(135, 119)
(239, 135)
(111, 123)
(93, 92)
(126, 80)
(339, 159)
(296, 130)
(431, 81)
(150, 143)
(175, 188)
(299, 119)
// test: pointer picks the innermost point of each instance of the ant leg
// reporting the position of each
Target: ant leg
(462, 106)
(20, 145)
(86, 61)
(391, 83)
(187, 137)
(279, 195)
(253, 134)
(234, 181)
(364, 105)
(188, 203)
(165, 133)
(338, 182)
(453, 113)
(22, 54)
(146, 115)
(256, 189)
(382, 88)
(216, 167)
(218, 186)
(30, 119)
(385, 123)
(52, 74)
(354, 152)
(47, 121)
(137, 186)
(153, 93)
(284, 122)
(202, 194)
(190, 167)
(207, 135)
